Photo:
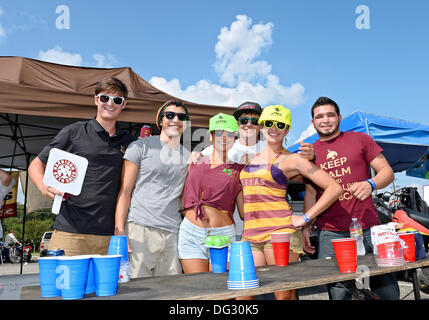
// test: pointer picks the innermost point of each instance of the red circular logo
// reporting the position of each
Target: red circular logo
(65, 171)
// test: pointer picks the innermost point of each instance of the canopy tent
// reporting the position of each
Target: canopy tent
(420, 169)
(40, 98)
(404, 142)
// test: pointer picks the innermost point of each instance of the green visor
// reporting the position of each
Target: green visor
(223, 121)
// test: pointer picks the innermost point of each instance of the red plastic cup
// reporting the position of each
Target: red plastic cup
(280, 242)
(389, 250)
(410, 249)
(346, 254)
(281, 253)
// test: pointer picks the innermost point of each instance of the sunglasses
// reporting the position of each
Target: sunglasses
(245, 120)
(170, 115)
(116, 99)
(279, 125)
(219, 133)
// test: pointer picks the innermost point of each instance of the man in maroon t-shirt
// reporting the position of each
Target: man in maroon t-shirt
(347, 157)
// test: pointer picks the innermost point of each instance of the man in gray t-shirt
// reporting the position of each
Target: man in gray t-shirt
(148, 206)
(155, 201)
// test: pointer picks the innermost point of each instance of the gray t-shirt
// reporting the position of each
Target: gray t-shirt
(155, 200)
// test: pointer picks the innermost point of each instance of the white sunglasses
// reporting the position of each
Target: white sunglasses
(116, 99)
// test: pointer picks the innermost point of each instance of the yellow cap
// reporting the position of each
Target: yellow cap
(276, 113)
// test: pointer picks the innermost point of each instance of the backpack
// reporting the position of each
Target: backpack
(411, 198)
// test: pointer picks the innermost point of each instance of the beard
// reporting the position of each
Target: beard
(329, 133)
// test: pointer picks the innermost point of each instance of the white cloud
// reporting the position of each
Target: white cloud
(306, 133)
(58, 55)
(2, 30)
(247, 78)
(104, 60)
(207, 92)
(237, 49)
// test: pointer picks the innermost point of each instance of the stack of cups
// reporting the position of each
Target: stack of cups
(219, 259)
(242, 272)
(280, 242)
(346, 254)
(119, 246)
(410, 246)
(389, 254)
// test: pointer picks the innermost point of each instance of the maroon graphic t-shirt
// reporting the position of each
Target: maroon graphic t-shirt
(215, 187)
(346, 158)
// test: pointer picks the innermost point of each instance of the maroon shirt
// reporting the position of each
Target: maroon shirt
(217, 187)
(346, 158)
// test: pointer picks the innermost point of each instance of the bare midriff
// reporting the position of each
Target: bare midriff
(214, 218)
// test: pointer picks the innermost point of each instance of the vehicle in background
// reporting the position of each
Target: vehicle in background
(44, 244)
(28, 248)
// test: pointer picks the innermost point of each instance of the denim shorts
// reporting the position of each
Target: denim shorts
(192, 239)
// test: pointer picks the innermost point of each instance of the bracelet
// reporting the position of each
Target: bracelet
(304, 216)
(314, 159)
(372, 183)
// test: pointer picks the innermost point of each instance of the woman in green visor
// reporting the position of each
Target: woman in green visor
(211, 192)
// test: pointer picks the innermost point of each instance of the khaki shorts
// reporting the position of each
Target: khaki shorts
(78, 243)
(295, 243)
(154, 251)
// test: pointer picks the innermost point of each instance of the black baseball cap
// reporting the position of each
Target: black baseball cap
(247, 107)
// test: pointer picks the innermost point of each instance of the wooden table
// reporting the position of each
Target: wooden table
(213, 286)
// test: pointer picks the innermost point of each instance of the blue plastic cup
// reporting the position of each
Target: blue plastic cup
(48, 277)
(118, 246)
(240, 248)
(106, 271)
(219, 259)
(241, 264)
(72, 276)
(90, 282)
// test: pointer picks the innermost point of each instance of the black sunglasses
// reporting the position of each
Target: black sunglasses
(219, 133)
(170, 115)
(279, 125)
(116, 99)
(245, 120)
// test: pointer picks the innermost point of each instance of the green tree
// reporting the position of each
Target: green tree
(36, 223)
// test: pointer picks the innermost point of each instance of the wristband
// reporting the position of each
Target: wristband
(314, 159)
(304, 216)
(372, 183)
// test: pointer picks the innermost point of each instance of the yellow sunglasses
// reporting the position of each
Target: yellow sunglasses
(279, 125)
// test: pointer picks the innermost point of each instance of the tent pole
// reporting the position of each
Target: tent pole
(27, 158)
(25, 208)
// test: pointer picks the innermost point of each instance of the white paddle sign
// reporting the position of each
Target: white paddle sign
(65, 172)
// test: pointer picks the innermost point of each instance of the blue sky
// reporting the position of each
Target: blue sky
(226, 52)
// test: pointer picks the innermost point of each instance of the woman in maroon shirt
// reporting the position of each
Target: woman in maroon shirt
(211, 192)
